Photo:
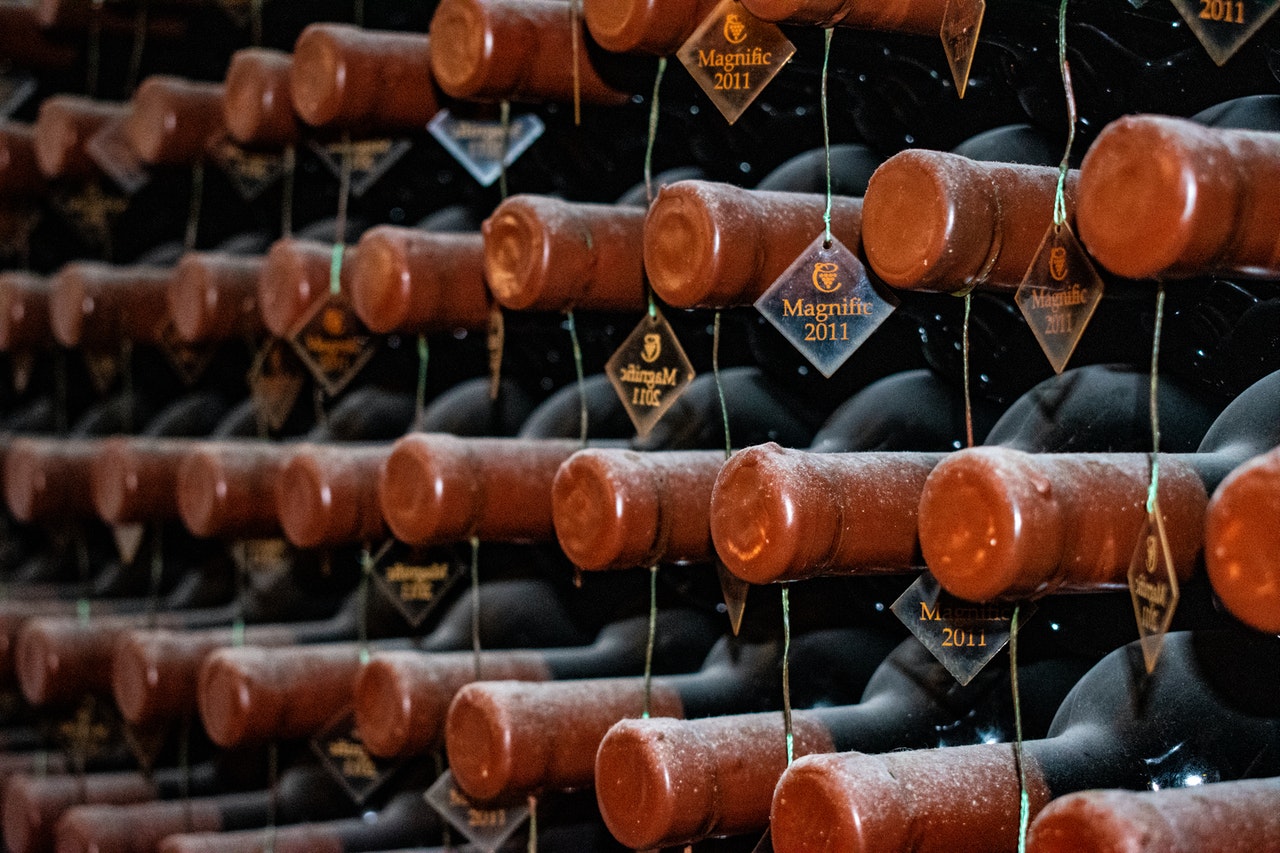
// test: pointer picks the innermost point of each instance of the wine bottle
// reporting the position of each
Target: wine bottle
(257, 105)
(328, 495)
(920, 17)
(1236, 533)
(173, 121)
(63, 129)
(213, 296)
(24, 312)
(294, 278)
(20, 175)
(644, 26)
(1205, 714)
(96, 305)
(227, 489)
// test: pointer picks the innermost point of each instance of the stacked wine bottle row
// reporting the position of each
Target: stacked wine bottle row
(333, 520)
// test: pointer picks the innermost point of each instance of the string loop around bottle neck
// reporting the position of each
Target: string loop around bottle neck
(1060, 194)
(826, 136)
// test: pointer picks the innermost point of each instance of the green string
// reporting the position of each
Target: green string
(653, 130)
(533, 824)
(420, 396)
(193, 208)
(366, 573)
(653, 634)
(1024, 801)
(583, 416)
(475, 602)
(715, 371)
(786, 674)
(968, 398)
(826, 135)
(335, 269)
(504, 113)
(1155, 407)
(1060, 196)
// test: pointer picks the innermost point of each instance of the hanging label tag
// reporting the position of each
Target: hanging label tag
(15, 90)
(370, 159)
(1223, 26)
(1059, 294)
(257, 557)
(333, 343)
(21, 367)
(961, 23)
(414, 580)
(344, 756)
(275, 381)
(1153, 585)
(963, 636)
(486, 829)
(733, 55)
(251, 172)
(649, 371)
(109, 148)
(734, 591)
(483, 146)
(826, 305)
(128, 539)
(91, 212)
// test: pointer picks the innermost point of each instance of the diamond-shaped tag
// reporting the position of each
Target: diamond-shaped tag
(483, 146)
(128, 539)
(825, 304)
(257, 557)
(962, 635)
(370, 159)
(485, 828)
(332, 343)
(189, 361)
(961, 23)
(103, 368)
(1223, 26)
(91, 211)
(649, 371)
(109, 148)
(734, 591)
(251, 172)
(1059, 294)
(15, 89)
(414, 580)
(21, 367)
(344, 757)
(1153, 585)
(275, 381)
(733, 55)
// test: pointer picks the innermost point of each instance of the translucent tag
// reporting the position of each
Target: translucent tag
(344, 757)
(15, 89)
(261, 556)
(103, 368)
(486, 829)
(649, 371)
(275, 380)
(332, 343)
(251, 172)
(91, 212)
(734, 590)
(189, 361)
(370, 159)
(146, 744)
(963, 636)
(1059, 294)
(733, 55)
(109, 148)
(1223, 26)
(826, 305)
(21, 367)
(479, 144)
(961, 23)
(415, 579)
(1153, 585)
(128, 539)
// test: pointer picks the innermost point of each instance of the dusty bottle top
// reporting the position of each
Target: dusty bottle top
(135, 479)
(922, 17)
(518, 50)
(328, 494)
(1227, 817)
(214, 297)
(437, 488)
(48, 478)
(20, 175)
(617, 509)
(546, 254)
(97, 305)
(1001, 523)
(658, 27)
(714, 245)
(32, 804)
(412, 281)
(137, 826)
(24, 312)
(257, 107)
(942, 222)
(173, 121)
(1238, 528)
(1167, 198)
(350, 78)
(780, 514)
(228, 489)
(63, 128)
(294, 278)
(24, 41)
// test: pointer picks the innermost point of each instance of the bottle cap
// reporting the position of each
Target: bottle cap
(173, 121)
(258, 107)
(328, 495)
(63, 128)
(411, 281)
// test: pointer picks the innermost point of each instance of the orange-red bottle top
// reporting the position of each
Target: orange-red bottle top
(328, 494)
(658, 27)
(367, 80)
(47, 479)
(257, 108)
(411, 281)
(173, 121)
(1239, 528)
(227, 489)
(20, 175)
(63, 128)
(24, 312)
(294, 278)
(213, 296)
(97, 305)
(135, 478)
